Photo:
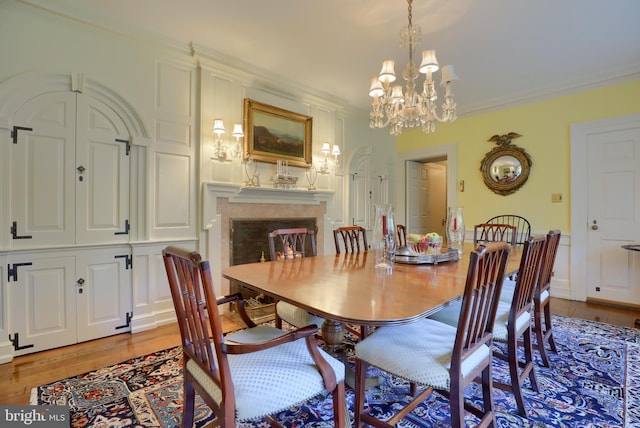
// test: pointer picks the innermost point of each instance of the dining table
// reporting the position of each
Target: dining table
(350, 289)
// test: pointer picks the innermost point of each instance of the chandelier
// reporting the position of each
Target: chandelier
(400, 109)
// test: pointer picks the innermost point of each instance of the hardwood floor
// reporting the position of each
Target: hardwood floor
(23, 373)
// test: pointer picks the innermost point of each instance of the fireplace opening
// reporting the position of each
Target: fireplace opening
(250, 244)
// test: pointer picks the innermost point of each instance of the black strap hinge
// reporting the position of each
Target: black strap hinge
(128, 146)
(126, 229)
(128, 260)
(12, 273)
(129, 316)
(15, 340)
(14, 232)
(14, 133)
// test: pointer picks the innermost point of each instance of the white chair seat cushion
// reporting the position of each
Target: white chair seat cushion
(450, 314)
(257, 334)
(500, 331)
(270, 381)
(297, 316)
(544, 296)
(508, 288)
(418, 352)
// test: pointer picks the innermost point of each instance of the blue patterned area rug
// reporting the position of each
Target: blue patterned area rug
(594, 382)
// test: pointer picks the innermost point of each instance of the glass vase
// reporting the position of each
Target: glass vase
(455, 229)
(384, 241)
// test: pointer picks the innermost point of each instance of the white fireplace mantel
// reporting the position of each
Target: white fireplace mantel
(213, 190)
(216, 216)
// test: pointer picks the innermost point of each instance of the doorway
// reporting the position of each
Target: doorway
(405, 200)
(426, 196)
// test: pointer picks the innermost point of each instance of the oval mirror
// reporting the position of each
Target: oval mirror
(506, 167)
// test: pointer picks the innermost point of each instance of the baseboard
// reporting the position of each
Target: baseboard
(6, 352)
(152, 320)
(613, 304)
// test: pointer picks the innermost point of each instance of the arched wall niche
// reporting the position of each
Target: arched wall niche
(16, 90)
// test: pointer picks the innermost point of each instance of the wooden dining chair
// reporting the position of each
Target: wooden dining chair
(436, 355)
(402, 235)
(542, 297)
(290, 244)
(494, 232)
(513, 322)
(353, 238)
(243, 382)
(523, 227)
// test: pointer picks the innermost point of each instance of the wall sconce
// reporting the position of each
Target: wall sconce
(326, 149)
(220, 152)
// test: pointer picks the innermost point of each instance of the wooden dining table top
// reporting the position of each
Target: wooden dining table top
(349, 288)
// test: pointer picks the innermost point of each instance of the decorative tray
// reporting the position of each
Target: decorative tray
(404, 255)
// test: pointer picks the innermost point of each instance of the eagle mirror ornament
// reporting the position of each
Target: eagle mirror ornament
(506, 167)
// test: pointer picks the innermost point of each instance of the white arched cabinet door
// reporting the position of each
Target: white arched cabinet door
(360, 193)
(43, 172)
(70, 173)
(102, 174)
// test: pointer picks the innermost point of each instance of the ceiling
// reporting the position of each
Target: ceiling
(505, 52)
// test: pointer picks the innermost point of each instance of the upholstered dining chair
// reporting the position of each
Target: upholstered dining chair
(290, 244)
(523, 227)
(542, 326)
(494, 232)
(438, 356)
(353, 238)
(513, 322)
(542, 297)
(402, 235)
(243, 381)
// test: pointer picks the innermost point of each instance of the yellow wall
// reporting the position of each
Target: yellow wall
(545, 128)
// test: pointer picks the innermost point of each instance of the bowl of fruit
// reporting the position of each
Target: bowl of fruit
(429, 244)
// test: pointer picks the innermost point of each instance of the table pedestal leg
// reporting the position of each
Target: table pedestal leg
(333, 333)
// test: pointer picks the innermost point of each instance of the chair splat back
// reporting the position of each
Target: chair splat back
(291, 243)
(486, 272)
(354, 239)
(543, 327)
(494, 232)
(522, 225)
(192, 293)
(402, 235)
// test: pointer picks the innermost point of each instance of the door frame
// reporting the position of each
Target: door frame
(579, 195)
(448, 151)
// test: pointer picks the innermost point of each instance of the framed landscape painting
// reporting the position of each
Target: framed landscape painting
(273, 134)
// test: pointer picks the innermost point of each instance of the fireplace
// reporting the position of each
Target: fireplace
(250, 244)
(226, 203)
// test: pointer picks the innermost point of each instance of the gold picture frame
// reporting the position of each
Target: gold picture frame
(273, 134)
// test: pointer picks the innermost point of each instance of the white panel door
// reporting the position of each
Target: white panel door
(43, 171)
(104, 295)
(102, 174)
(614, 214)
(437, 204)
(43, 308)
(417, 197)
